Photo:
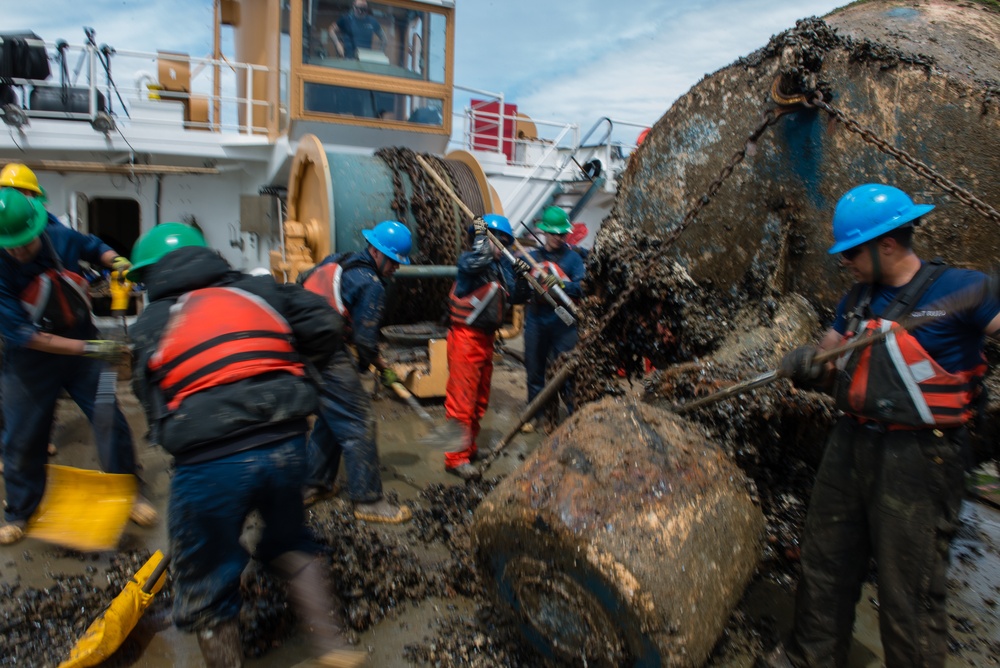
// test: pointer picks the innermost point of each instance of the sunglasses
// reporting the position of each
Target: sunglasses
(852, 253)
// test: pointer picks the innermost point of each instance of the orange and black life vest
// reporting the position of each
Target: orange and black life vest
(549, 267)
(57, 301)
(895, 381)
(324, 280)
(216, 336)
(483, 308)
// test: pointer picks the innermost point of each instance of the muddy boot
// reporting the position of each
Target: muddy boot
(143, 513)
(311, 495)
(318, 609)
(382, 512)
(465, 471)
(220, 645)
(11, 532)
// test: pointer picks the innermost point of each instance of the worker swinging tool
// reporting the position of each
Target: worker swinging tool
(543, 291)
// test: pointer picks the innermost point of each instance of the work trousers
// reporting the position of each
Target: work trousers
(31, 383)
(209, 502)
(545, 338)
(467, 395)
(894, 496)
(345, 426)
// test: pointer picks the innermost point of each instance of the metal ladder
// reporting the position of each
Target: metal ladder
(596, 181)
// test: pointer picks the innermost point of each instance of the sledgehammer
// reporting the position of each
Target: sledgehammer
(560, 311)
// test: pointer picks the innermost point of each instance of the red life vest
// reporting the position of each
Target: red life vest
(895, 381)
(324, 280)
(483, 308)
(217, 336)
(56, 301)
(548, 267)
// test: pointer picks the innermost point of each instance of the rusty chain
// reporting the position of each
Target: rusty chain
(921, 168)
(768, 118)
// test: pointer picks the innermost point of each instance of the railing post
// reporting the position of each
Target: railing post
(249, 100)
(92, 57)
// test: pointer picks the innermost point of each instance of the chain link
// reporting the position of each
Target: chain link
(768, 118)
(921, 168)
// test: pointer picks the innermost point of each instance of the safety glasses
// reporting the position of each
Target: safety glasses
(851, 253)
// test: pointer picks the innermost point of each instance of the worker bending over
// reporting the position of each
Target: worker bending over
(223, 370)
(354, 285)
(50, 346)
(891, 480)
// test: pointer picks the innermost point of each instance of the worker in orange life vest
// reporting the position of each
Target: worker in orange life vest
(891, 480)
(50, 345)
(477, 305)
(224, 370)
(354, 285)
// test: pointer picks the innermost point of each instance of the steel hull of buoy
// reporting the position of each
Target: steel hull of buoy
(770, 220)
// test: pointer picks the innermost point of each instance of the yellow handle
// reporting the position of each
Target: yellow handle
(120, 291)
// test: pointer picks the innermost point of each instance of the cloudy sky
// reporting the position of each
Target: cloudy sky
(569, 61)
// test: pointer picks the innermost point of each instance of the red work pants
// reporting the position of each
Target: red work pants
(470, 370)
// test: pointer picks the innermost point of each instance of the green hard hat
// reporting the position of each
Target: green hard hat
(162, 239)
(555, 220)
(21, 218)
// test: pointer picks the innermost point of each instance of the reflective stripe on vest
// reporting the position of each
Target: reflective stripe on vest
(216, 336)
(56, 300)
(895, 381)
(483, 308)
(325, 282)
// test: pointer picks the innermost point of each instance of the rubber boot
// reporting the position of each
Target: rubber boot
(319, 611)
(221, 646)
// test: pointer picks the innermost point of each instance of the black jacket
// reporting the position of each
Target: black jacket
(248, 413)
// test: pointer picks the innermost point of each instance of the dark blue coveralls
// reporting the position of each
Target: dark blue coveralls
(545, 335)
(31, 379)
(345, 424)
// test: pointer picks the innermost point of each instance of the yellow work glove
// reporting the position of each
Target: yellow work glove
(105, 350)
(551, 279)
(121, 263)
(389, 377)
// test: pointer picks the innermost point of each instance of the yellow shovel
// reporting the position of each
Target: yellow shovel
(83, 510)
(110, 629)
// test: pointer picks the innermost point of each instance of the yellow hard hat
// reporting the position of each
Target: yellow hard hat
(16, 175)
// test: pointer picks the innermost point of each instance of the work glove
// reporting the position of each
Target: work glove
(479, 225)
(121, 264)
(551, 279)
(107, 351)
(800, 366)
(389, 377)
(521, 268)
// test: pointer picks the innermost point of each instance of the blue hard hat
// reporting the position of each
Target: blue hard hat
(868, 211)
(497, 224)
(392, 238)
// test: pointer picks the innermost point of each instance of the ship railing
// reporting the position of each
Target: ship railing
(546, 150)
(124, 85)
